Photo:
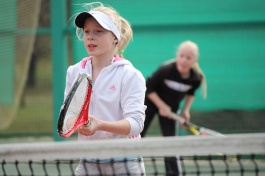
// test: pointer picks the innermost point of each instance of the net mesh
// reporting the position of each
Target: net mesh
(240, 154)
(17, 36)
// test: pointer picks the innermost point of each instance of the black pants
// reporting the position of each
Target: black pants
(168, 128)
(173, 167)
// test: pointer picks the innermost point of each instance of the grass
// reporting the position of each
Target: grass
(34, 116)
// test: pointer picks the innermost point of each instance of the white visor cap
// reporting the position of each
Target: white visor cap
(101, 18)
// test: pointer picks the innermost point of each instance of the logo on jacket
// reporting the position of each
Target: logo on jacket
(112, 87)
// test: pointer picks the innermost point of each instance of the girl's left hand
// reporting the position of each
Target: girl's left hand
(186, 115)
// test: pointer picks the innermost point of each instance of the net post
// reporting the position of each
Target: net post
(59, 57)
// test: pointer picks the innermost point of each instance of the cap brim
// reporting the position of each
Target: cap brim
(101, 18)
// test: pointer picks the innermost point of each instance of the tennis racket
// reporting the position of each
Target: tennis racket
(195, 129)
(74, 111)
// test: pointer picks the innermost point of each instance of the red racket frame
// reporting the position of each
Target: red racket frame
(83, 116)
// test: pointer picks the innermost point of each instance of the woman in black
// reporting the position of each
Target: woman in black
(171, 83)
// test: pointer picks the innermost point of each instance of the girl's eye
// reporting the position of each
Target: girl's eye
(94, 32)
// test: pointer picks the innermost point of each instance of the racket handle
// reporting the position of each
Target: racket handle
(174, 116)
(88, 123)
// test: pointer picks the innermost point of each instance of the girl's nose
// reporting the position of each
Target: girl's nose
(89, 35)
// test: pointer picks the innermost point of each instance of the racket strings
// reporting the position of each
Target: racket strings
(75, 107)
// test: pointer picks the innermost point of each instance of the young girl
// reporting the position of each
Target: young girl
(116, 107)
(168, 86)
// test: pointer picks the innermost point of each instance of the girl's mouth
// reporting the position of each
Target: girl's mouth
(91, 46)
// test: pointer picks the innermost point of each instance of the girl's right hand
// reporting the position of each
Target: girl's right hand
(165, 111)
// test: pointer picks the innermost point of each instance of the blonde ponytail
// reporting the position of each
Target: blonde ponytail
(126, 35)
(197, 68)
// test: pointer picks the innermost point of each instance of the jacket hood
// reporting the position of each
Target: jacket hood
(117, 61)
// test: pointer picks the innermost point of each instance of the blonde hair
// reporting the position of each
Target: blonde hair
(196, 67)
(122, 24)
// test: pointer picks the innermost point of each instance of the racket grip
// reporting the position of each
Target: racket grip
(88, 123)
(178, 118)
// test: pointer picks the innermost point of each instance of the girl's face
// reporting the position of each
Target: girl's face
(97, 40)
(185, 59)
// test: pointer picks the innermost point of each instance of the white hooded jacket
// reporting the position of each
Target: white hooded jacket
(118, 93)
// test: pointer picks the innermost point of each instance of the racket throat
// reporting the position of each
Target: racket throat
(88, 123)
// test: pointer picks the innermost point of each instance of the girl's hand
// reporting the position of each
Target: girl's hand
(89, 130)
(165, 111)
(186, 115)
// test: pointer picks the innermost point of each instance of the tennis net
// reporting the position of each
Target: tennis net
(237, 154)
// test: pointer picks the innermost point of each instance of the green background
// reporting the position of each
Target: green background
(230, 35)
